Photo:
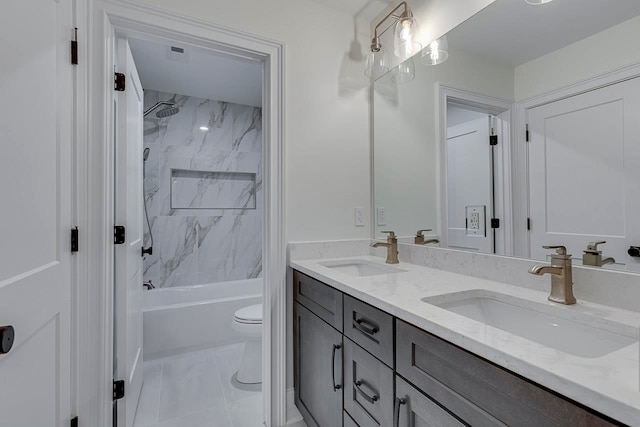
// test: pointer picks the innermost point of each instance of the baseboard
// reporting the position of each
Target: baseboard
(294, 417)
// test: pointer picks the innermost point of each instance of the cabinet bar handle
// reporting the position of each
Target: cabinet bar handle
(366, 326)
(336, 387)
(396, 410)
(371, 399)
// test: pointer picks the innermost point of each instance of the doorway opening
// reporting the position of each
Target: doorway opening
(122, 21)
(475, 139)
(188, 186)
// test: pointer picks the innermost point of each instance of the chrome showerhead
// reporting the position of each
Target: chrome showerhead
(169, 111)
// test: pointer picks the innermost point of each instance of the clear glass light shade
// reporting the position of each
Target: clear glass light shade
(404, 72)
(537, 1)
(405, 38)
(436, 52)
(376, 64)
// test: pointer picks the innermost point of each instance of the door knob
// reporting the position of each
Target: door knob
(6, 338)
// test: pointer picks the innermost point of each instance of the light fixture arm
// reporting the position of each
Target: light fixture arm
(375, 41)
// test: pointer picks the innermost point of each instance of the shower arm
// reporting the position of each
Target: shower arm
(146, 113)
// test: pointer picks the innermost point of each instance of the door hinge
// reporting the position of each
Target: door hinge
(118, 389)
(119, 234)
(493, 140)
(74, 422)
(74, 239)
(74, 47)
(495, 223)
(526, 132)
(528, 223)
(119, 82)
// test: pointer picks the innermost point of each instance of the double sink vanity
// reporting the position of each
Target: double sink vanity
(407, 345)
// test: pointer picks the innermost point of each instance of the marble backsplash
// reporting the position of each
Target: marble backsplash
(200, 240)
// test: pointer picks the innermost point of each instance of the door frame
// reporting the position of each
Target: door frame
(502, 195)
(521, 234)
(105, 19)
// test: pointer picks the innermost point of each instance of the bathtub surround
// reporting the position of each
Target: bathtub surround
(203, 184)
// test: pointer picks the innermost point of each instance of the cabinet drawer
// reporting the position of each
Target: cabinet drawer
(473, 388)
(348, 421)
(368, 387)
(370, 328)
(417, 410)
(321, 299)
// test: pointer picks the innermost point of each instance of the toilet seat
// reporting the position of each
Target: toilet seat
(251, 315)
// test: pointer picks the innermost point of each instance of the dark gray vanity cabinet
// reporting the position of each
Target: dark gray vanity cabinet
(318, 369)
(396, 374)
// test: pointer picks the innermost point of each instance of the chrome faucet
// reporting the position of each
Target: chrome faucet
(392, 247)
(561, 276)
(419, 238)
(592, 256)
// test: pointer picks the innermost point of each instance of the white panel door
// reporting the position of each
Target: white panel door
(584, 172)
(36, 83)
(470, 186)
(128, 256)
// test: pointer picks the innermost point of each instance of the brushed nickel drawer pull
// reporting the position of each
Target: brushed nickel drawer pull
(371, 399)
(366, 326)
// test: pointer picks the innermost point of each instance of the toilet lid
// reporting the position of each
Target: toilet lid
(250, 314)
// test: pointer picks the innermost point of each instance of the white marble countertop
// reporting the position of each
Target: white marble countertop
(609, 384)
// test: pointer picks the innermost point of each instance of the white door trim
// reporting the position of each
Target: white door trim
(105, 18)
(503, 196)
(521, 244)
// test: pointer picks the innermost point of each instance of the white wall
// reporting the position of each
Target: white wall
(606, 51)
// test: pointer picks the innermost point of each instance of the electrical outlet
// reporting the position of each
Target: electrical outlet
(474, 221)
(359, 217)
(381, 214)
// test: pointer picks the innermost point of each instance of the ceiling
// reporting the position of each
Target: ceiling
(197, 72)
(514, 32)
(363, 9)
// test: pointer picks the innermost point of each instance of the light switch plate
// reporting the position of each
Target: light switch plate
(381, 215)
(359, 220)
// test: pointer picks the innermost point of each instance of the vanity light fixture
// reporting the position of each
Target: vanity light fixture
(536, 2)
(404, 73)
(436, 52)
(405, 41)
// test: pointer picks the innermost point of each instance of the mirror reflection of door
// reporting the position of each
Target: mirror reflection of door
(470, 179)
(584, 172)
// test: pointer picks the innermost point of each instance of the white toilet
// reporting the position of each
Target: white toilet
(248, 322)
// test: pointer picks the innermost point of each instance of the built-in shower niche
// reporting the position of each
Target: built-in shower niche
(196, 189)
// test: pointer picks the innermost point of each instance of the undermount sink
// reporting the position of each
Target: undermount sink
(360, 267)
(562, 329)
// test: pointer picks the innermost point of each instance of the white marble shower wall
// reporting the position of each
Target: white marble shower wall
(202, 245)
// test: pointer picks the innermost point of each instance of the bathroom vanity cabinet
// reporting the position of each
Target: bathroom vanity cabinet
(366, 368)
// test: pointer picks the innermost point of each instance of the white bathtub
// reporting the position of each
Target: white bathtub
(186, 318)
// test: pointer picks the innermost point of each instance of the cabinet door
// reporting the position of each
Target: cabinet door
(413, 409)
(318, 369)
(368, 388)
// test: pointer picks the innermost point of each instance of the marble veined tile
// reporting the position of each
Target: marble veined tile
(227, 242)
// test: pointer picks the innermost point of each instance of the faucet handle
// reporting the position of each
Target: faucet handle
(392, 235)
(419, 232)
(593, 246)
(560, 250)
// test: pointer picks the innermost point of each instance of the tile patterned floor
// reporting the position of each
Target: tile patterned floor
(195, 390)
